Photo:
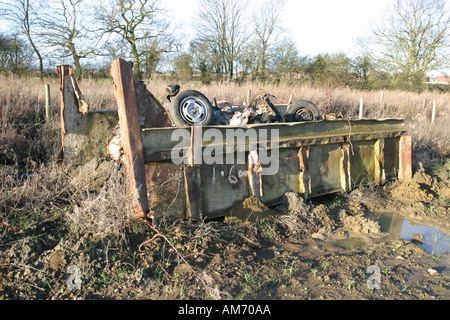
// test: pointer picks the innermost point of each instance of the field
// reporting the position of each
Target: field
(66, 233)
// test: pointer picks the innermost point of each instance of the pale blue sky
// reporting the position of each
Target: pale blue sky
(317, 26)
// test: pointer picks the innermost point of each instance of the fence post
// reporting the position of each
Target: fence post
(249, 94)
(433, 111)
(47, 103)
(360, 108)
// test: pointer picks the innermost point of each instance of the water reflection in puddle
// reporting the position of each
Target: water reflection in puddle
(434, 240)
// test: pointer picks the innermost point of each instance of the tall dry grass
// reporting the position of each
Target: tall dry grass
(26, 143)
(416, 108)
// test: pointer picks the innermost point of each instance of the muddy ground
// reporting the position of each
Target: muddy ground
(325, 248)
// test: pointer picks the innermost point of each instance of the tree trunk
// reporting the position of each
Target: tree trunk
(136, 65)
(41, 64)
(78, 69)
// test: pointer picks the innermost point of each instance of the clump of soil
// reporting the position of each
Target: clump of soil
(360, 224)
(423, 198)
(250, 209)
(417, 189)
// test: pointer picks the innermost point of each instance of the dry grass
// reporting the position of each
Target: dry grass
(105, 212)
(16, 91)
(92, 207)
(414, 107)
(96, 204)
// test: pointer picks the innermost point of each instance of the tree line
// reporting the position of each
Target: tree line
(234, 40)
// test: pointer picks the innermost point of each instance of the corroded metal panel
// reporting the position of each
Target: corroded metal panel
(84, 133)
(130, 135)
(166, 166)
(405, 158)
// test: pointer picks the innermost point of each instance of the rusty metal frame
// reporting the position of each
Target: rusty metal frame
(130, 135)
(316, 157)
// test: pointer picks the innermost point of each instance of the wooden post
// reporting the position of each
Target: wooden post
(290, 101)
(360, 108)
(381, 98)
(47, 103)
(249, 93)
(433, 111)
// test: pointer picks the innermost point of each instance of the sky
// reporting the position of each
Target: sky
(318, 26)
(321, 26)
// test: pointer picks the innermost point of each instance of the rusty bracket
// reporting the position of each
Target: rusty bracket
(254, 174)
(405, 158)
(195, 150)
(130, 135)
(82, 104)
(344, 165)
(304, 175)
(380, 173)
(70, 99)
(194, 200)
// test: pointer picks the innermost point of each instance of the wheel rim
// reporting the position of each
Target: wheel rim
(304, 114)
(193, 111)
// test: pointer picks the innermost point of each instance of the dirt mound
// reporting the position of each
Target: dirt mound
(360, 224)
(310, 220)
(251, 208)
(423, 198)
(420, 188)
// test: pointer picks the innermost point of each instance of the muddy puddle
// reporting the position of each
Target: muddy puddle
(396, 227)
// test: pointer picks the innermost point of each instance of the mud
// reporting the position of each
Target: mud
(326, 248)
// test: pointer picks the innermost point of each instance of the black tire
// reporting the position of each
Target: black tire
(302, 110)
(191, 108)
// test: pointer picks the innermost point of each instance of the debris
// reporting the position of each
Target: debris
(432, 272)
(115, 149)
(261, 110)
(417, 237)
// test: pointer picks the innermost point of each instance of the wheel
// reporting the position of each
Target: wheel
(191, 107)
(302, 110)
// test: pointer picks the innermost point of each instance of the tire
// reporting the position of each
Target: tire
(302, 110)
(191, 108)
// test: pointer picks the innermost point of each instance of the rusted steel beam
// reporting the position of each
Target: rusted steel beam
(380, 173)
(195, 150)
(130, 135)
(194, 200)
(67, 101)
(150, 111)
(304, 174)
(344, 165)
(158, 143)
(82, 103)
(73, 107)
(254, 174)
(405, 158)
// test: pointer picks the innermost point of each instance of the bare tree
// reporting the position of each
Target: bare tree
(221, 24)
(23, 15)
(267, 27)
(414, 38)
(140, 24)
(286, 59)
(63, 27)
(16, 55)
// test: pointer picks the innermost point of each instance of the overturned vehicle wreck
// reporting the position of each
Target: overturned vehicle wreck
(191, 158)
